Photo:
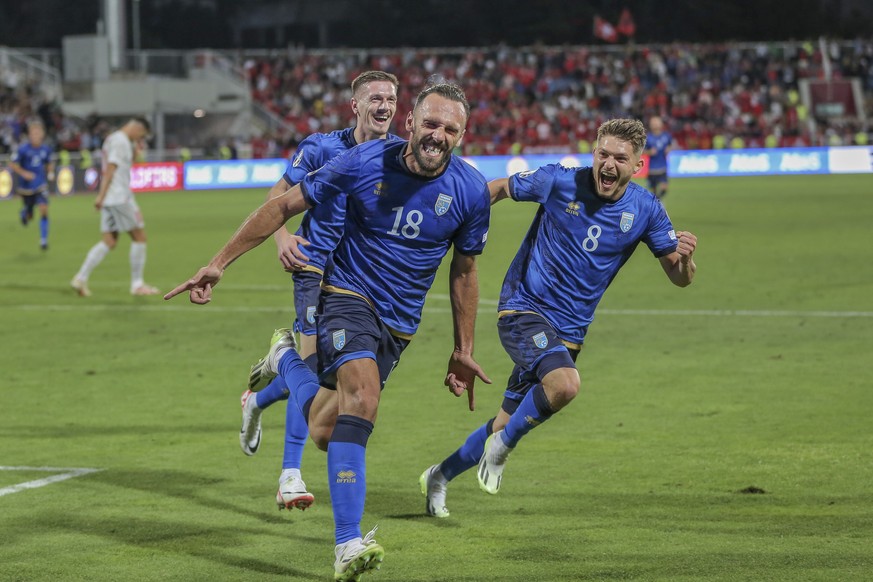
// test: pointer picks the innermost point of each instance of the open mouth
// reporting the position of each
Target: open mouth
(432, 150)
(381, 118)
(607, 181)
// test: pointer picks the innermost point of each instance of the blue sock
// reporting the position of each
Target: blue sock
(301, 382)
(533, 410)
(274, 392)
(468, 455)
(296, 431)
(43, 229)
(346, 473)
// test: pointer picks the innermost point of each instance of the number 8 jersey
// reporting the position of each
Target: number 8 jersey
(399, 225)
(576, 245)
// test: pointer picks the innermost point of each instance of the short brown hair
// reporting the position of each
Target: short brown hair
(630, 130)
(370, 76)
(143, 122)
(450, 91)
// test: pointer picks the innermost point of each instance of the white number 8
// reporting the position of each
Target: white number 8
(590, 242)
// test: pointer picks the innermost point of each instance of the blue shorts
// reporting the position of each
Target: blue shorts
(655, 179)
(35, 199)
(307, 287)
(350, 329)
(535, 348)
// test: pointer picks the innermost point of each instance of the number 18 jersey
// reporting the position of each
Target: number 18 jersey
(399, 225)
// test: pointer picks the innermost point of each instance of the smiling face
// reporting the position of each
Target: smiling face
(374, 104)
(437, 127)
(615, 163)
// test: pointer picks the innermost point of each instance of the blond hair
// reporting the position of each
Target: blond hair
(630, 130)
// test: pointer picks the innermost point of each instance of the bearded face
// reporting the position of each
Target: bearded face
(436, 127)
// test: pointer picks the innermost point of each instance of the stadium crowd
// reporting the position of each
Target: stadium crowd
(553, 98)
(534, 100)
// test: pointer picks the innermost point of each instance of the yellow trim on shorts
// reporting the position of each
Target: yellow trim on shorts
(568, 345)
(341, 291)
(306, 269)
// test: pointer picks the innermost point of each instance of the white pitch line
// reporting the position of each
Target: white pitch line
(488, 307)
(68, 473)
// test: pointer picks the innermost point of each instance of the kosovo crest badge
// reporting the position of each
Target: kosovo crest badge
(627, 221)
(541, 340)
(339, 339)
(310, 314)
(442, 204)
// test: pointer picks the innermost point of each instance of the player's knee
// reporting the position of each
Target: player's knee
(362, 403)
(562, 388)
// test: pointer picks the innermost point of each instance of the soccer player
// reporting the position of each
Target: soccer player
(407, 203)
(118, 209)
(588, 224)
(374, 102)
(658, 145)
(32, 161)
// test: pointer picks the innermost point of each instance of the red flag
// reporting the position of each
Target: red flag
(604, 30)
(626, 25)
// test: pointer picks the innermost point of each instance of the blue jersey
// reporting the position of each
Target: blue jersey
(33, 159)
(659, 143)
(399, 225)
(576, 245)
(322, 226)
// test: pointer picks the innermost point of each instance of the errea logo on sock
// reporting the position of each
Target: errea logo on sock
(346, 477)
(532, 421)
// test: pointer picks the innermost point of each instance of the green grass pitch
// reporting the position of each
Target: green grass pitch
(756, 376)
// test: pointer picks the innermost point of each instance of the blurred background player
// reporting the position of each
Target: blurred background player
(658, 145)
(35, 168)
(374, 102)
(588, 225)
(118, 208)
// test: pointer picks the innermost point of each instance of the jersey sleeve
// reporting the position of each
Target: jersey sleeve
(471, 236)
(337, 176)
(116, 153)
(308, 158)
(533, 185)
(660, 236)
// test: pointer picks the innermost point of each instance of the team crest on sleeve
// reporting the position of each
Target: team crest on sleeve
(297, 159)
(442, 204)
(540, 340)
(310, 314)
(672, 234)
(627, 221)
(339, 339)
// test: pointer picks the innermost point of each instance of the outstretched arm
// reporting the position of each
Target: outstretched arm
(499, 189)
(257, 227)
(679, 265)
(464, 292)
